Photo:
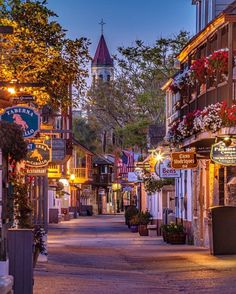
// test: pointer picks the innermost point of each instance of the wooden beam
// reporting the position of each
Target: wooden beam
(201, 37)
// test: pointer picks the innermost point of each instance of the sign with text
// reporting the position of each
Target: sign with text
(183, 160)
(37, 171)
(225, 155)
(25, 117)
(58, 147)
(168, 172)
(38, 157)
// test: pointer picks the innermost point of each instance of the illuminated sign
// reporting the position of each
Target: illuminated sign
(183, 160)
(225, 155)
(38, 157)
(168, 172)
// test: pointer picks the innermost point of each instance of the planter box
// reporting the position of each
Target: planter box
(20, 249)
(143, 231)
(177, 238)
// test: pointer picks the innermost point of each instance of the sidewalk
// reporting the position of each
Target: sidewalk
(100, 255)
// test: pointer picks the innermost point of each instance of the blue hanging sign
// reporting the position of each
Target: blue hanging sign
(25, 117)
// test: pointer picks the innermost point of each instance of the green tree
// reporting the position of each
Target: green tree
(134, 99)
(39, 52)
(84, 133)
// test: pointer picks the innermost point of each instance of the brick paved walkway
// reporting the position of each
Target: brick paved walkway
(99, 255)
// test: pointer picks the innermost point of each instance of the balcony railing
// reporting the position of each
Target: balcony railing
(82, 174)
(102, 178)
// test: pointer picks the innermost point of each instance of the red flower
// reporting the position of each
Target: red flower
(199, 69)
(218, 62)
(231, 113)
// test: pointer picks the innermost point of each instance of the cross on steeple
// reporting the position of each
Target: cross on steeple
(102, 23)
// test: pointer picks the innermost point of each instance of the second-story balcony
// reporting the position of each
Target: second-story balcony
(102, 179)
(81, 175)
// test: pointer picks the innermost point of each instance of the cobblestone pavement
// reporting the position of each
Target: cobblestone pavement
(99, 255)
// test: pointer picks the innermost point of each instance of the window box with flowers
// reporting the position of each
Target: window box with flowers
(211, 118)
(181, 83)
(218, 65)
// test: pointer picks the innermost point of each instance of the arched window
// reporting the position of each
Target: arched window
(101, 77)
(108, 78)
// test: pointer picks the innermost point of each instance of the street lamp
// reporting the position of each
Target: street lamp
(11, 90)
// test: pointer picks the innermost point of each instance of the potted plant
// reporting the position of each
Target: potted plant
(39, 244)
(134, 223)
(129, 213)
(144, 219)
(164, 232)
(175, 234)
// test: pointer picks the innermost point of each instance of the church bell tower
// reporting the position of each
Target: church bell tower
(102, 64)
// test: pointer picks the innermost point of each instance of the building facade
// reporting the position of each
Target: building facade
(200, 101)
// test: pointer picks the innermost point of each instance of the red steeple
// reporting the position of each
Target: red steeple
(102, 56)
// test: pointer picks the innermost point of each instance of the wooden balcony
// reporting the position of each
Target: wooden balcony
(102, 179)
(205, 96)
(82, 174)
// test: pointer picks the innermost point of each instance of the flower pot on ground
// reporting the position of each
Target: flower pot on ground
(129, 213)
(134, 222)
(177, 238)
(143, 231)
(174, 233)
(144, 219)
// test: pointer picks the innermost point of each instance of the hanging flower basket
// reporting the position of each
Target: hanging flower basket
(199, 70)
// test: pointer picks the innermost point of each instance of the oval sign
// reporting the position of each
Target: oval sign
(25, 117)
(38, 157)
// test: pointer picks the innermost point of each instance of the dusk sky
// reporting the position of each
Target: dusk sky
(126, 20)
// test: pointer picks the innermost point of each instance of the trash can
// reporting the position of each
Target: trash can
(222, 230)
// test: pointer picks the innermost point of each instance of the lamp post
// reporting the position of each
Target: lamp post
(73, 188)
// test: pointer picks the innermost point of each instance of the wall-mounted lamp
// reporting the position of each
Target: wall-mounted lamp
(11, 90)
(227, 141)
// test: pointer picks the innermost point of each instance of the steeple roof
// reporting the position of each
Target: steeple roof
(102, 56)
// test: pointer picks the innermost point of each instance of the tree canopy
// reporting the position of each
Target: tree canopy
(39, 52)
(134, 99)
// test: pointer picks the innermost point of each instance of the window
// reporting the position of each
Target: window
(103, 169)
(108, 78)
(101, 77)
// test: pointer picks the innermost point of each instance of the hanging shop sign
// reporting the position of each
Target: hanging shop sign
(225, 155)
(58, 147)
(166, 171)
(38, 157)
(25, 117)
(183, 160)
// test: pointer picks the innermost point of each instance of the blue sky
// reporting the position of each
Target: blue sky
(126, 20)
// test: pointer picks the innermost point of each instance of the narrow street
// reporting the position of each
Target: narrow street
(100, 255)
